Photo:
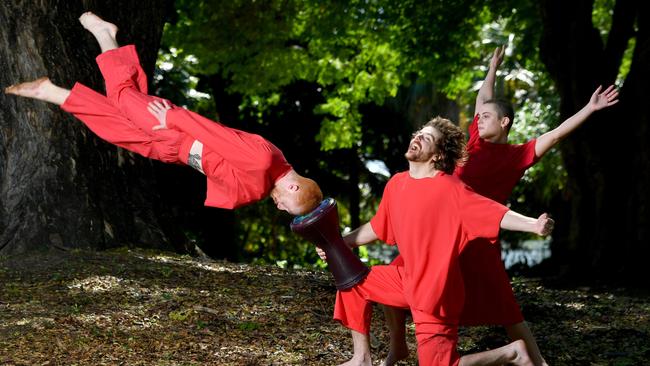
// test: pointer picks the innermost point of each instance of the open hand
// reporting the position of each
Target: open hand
(159, 110)
(605, 99)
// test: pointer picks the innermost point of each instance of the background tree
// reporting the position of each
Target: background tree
(606, 160)
(60, 185)
(337, 63)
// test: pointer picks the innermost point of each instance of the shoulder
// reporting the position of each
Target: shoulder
(398, 177)
(453, 185)
(450, 179)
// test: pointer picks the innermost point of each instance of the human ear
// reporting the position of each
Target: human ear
(505, 122)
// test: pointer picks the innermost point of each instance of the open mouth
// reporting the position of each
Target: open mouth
(414, 146)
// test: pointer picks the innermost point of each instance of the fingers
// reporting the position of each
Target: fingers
(547, 224)
(160, 106)
(597, 92)
(609, 89)
(321, 253)
(611, 95)
(499, 51)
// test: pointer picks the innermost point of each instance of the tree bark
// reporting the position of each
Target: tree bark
(59, 184)
(607, 158)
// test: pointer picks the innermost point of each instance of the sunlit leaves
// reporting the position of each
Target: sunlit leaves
(360, 52)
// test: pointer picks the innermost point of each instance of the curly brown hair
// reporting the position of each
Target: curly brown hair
(451, 144)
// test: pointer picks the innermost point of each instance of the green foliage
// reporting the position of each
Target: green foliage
(339, 76)
(359, 52)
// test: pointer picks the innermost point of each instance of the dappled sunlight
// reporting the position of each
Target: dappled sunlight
(250, 352)
(139, 308)
(190, 262)
(96, 284)
(574, 305)
(126, 319)
(37, 322)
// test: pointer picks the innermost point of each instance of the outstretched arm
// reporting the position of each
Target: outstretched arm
(487, 88)
(513, 221)
(597, 102)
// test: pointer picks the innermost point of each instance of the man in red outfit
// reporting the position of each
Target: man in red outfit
(240, 167)
(493, 169)
(431, 216)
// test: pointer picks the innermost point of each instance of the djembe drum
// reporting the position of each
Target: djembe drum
(321, 227)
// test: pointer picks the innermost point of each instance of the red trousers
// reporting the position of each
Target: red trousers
(240, 167)
(436, 341)
(489, 299)
(126, 122)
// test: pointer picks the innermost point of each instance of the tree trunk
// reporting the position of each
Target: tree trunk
(59, 184)
(607, 158)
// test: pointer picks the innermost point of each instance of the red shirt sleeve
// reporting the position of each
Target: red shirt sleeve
(473, 132)
(381, 223)
(480, 217)
(523, 155)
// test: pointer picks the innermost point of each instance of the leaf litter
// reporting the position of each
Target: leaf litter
(137, 307)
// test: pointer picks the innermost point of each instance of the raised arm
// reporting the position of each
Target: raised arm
(487, 88)
(597, 102)
(514, 221)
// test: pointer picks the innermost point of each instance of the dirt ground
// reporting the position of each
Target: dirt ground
(133, 307)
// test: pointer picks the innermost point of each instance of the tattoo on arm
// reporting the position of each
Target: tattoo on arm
(194, 160)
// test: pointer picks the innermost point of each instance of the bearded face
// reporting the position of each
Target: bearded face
(422, 147)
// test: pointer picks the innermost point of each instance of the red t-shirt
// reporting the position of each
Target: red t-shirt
(492, 169)
(241, 167)
(431, 220)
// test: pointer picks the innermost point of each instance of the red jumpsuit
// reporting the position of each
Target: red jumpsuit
(240, 167)
(492, 170)
(431, 220)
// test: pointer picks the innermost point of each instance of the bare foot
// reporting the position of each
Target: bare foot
(519, 354)
(32, 89)
(97, 26)
(396, 354)
(363, 360)
(41, 89)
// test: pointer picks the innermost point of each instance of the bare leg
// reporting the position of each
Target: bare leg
(514, 353)
(361, 355)
(396, 321)
(41, 89)
(521, 331)
(103, 31)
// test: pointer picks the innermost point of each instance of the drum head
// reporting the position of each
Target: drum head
(307, 219)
